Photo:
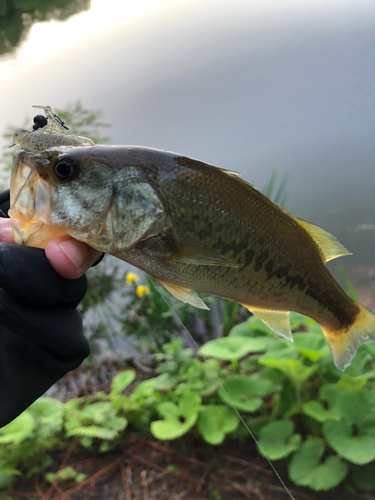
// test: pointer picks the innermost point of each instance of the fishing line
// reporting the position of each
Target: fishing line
(223, 389)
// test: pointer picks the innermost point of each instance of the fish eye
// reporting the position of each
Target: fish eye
(66, 169)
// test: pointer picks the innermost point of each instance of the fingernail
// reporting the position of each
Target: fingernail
(75, 251)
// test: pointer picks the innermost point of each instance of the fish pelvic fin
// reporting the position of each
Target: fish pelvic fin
(184, 294)
(343, 343)
(278, 321)
(330, 247)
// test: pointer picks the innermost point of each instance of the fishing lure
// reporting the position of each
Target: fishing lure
(49, 131)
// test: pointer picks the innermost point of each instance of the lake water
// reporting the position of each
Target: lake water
(246, 85)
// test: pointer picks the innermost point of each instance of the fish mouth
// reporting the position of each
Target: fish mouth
(30, 204)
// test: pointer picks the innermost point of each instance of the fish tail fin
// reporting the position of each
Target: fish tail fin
(343, 343)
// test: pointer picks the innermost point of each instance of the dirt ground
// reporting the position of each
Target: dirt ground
(186, 469)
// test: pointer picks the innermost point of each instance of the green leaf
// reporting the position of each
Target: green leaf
(215, 421)
(93, 431)
(50, 476)
(47, 409)
(370, 348)
(356, 406)
(294, 369)
(355, 444)
(19, 429)
(311, 345)
(241, 330)
(98, 412)
(331, 393)
(253, 327)
(244, 394)
(281, 349)
(276, 439)
(48, 413)
(316, 410)
(117, 423)
(352, 384)
(231, 348)
(305, 468)
(70, 473)
(67, 473)
(200, 377)
(121, 381)
(162, 383)
(353, 406)
(86, 442)
(299, 321)
(178, 419)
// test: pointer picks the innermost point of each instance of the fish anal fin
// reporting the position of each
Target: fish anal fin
(278, 321)
(197, 255)
(330, 247)
(186, 295)
(343, 343)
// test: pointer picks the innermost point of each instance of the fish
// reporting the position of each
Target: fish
(193, 227)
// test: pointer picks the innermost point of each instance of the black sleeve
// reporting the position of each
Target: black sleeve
(4, 203)
(41, 335)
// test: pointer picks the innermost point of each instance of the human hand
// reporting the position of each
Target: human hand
(41, 337)
(69, 257)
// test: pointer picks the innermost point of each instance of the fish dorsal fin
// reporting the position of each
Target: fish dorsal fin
(200, 256)
(278, 321)
(184, 294)
(232, 173)
(330, 247)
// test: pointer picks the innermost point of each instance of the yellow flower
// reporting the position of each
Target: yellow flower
(142, 290)
(131, 278)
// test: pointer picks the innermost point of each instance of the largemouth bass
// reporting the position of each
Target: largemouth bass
(191, 226)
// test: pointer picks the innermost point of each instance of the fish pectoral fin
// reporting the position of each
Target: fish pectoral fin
(199, 256)
(186, 295)
(330, 247)
(278, 321)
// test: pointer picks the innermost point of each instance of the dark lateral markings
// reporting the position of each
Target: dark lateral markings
(261, 261)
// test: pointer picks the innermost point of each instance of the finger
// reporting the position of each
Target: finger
(6, 233)
(70, 258)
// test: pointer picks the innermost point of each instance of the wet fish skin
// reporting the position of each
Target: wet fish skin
(195, 226)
